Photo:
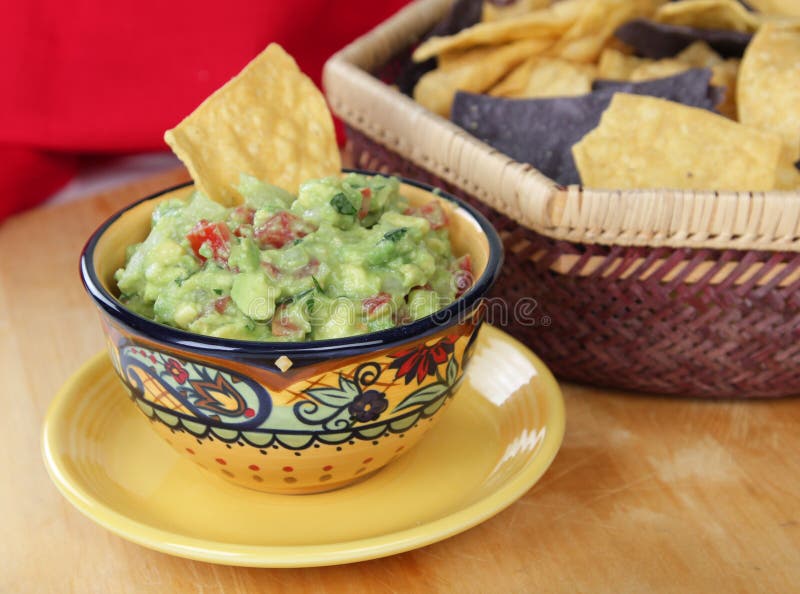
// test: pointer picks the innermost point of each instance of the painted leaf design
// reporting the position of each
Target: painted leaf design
(335, 397)
(452, 371)
(422, 396)
(328, 407)
(348, 386)
(312, 412)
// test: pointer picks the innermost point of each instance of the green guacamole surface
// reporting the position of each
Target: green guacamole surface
(346, 256)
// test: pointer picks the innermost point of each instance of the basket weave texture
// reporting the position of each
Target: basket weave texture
(673, 292)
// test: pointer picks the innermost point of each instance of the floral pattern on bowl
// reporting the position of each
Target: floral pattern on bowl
(308, 429)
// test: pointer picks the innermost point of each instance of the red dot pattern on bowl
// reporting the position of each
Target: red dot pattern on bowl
(290, 479)
(261, 471)
(327, 476)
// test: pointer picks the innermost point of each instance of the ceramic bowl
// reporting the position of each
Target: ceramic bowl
(345, 408)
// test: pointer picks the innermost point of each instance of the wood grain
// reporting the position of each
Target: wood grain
(647, 494)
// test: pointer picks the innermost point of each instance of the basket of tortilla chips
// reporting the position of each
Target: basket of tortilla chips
(639, 159)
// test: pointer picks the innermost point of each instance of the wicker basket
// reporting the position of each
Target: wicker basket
(675, 292)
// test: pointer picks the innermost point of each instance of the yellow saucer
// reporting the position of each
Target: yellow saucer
(502, 431)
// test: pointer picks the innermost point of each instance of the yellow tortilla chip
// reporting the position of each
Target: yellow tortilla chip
(546, 77)
(515, 82)
(452, 58)
(788, 8)
(768, 93)
(615, 65)
(788, 176)
(646, 142)
(708, 14)
(724, 72)
(658, 69)
(700, 55)
(269, 121)
(617, 44)
(545, 24)
(494, 12)
(474, 71)
(595, 26)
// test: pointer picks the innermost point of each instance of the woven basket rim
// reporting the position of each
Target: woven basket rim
(763, 221)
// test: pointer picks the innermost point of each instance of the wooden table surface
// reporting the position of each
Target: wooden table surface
(647, 494)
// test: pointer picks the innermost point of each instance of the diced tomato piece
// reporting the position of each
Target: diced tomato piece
(463, 276)
(432, 211)
(282, 325)
(280, 229)
(243, 215)
(221, 304)
(435, 214)
(366, 199)
(216, 235)
(371, 304)
(311, 268)
(272, 270)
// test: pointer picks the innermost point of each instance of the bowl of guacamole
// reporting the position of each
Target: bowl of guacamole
(347, 256)
(290, 334)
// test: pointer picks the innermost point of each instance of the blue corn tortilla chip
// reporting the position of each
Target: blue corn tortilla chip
(660, 40)
(542, 131)
(462, 14)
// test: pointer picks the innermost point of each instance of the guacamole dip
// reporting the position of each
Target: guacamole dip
(345, 256)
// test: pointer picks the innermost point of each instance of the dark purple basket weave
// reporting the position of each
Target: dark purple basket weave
(724, 340)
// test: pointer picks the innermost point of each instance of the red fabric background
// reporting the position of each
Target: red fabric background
(92, 76)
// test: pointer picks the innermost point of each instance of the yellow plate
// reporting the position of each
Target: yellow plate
(502, 431)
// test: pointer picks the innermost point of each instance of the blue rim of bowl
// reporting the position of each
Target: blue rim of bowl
(301, 351)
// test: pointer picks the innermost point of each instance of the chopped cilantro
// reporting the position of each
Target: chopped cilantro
(342, 204)
(316, 284)
(396, 234)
